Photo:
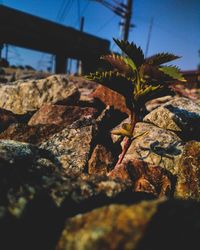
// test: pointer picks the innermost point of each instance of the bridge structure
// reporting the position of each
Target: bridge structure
(31, 32)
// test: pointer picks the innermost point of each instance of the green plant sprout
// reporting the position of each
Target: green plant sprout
(139, 80)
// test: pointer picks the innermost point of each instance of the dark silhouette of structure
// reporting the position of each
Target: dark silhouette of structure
(31, 32)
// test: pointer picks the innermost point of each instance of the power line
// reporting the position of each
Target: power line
(106, 23)
(65, 10)
(149, 37)
(60, 9)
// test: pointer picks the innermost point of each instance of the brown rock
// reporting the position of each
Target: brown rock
(120, 172)
(188, 172)
(111, 98)
(60, 114)
(100, 161)
(110, 227)
(150, 178)
(145, 177)
(31, 134)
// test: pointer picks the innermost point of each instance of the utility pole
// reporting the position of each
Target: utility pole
(124, 10)
(127, 19)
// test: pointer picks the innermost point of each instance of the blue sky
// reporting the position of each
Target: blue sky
(176, 26)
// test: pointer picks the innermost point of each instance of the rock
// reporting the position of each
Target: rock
(37, 196)
(23, 96)
(11, 152)
(145, 177)
(101, 160)
(149, 178)
(6, 118)
(163, 166)
(188, 172)
(158, 146)
(179, 114)
(111, 98)
(97, 229)
(25, 170)
(31, 134)
(157, 102)
(72, 146)
(121, 172)
(60, 114)
(138, 227)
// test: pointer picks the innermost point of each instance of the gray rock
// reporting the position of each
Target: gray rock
(179, 114)
(13, 151)
(72, 147)
(158, 146)
(23, 96)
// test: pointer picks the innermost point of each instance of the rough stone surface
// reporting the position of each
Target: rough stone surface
(137, 227)
(111, 98)
(155, 103)
(188, 172)
(26, 169)
(158, 146)
(60, 114)
(72, 147)
(146, 177)
(100, 161)
(111, 227)
(31, 134)
(36, 196)
(179, 114)
(23, 96)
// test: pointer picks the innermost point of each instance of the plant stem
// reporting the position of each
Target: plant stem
(128, 141)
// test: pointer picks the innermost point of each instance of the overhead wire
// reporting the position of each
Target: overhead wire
(106, 23)
(65, 10)
(60, 9)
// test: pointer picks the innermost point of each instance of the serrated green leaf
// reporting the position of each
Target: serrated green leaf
(138, 93)
(114, 81)
(122, 64)
(173, 72)
(160, 58)
(131, 64)
(131, 50)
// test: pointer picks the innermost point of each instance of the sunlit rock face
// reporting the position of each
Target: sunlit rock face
(23, 96)
(180, 115)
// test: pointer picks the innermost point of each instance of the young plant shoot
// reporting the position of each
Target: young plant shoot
(138, 79)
